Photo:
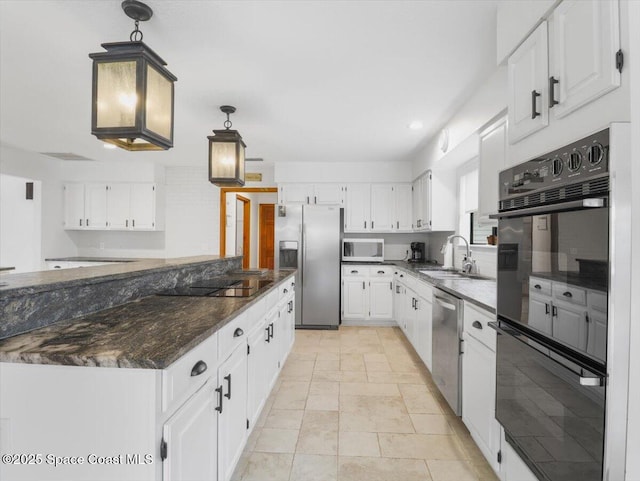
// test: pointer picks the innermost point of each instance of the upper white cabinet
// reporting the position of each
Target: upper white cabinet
(403, 206)
(301, 193)
(582, 58)
(527, 79)
(492, 161)
(113, 206)
(357, 208)
(441, 200)
(586, 39)
(378, 208)
(382, 207)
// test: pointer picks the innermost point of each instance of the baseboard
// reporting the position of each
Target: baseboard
(369, 323)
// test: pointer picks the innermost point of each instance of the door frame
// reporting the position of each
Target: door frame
(261, 250)
(246, 230)
(223, 209)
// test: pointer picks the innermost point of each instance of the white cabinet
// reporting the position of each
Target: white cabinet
(479, 382)
(113, 206)
(434, 201)
(328, 194)
(570, 325)
(257, 387)
(585, 43)
(357, 208)
(367, 293)
(301, 193)
(403, 207)
(382, 207)
(232, 422)
(581, 51)
(492, 161)
(527, 79)
(192, 433)
(296, 193)
(417, 193)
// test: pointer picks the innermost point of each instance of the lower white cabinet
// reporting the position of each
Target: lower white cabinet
(367, 293)
(189, 421)
(192, 432)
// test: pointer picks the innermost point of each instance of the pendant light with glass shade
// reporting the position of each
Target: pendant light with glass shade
(226, 154)
(133, 92)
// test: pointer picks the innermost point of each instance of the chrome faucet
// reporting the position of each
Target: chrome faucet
(467, 264)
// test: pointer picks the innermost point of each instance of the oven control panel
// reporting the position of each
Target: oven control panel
(572, 164)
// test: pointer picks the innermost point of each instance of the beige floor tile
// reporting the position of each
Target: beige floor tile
(319, 420)
(323, 365)
(368, 389)
(328, 356)
(379, 469)
(484, 471)
(394, 377)
(374, 414)
(324, 387)
(322, 402)
(253, 439)
(451, 471)
(312, 467)
(358, 444)
(284, 419)
(363, 348)
(354, 362)
(318, 441)
(277, 441)
(326, 376)
(420, 446)
(431, 424)
(470, 448)
(268, 467)
(302, 356)
(290, 400)
(340, 376)
(298, 371)
(419, 399)
(375, 357)
(375, 366)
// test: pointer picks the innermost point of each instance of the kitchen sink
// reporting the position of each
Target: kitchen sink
(447, 275)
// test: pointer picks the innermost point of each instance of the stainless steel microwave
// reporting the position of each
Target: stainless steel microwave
(363, 250)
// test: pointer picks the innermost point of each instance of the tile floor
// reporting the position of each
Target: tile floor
(358, 405)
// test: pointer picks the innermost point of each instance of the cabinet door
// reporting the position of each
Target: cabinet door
(232, 423)
(118, 200)
(381, 299)
(410, 316)
(403, 207)
(257, 359)
(296, 194)
(527, 83)
(272, 360)
(492, 161)
(354, 297)
(357, 208)
(423, 330)
(540, 313)
(329, 194)
(382, 207)
(95, 206)
(597, 335)
(478, 395)
(191, 437)
(584, 45)
(570, 326)
(143, 206)
(74, 206)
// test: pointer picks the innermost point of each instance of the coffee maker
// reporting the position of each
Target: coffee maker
(417, 252)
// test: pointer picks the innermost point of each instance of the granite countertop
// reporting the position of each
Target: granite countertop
(150, 333)
(94, 259)
(32, 282)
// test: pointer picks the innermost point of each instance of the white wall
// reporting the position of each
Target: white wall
(343, 172)
(256, 200)
(20, 224)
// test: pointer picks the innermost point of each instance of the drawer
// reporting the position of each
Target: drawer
(410, 281)
(256, 313)
(271, 299)
(476, 325)
(424, 290)
(284, 290)
(232, 335)
(569, 293)
(186, 375)
(540, 286)
(598, 301)
(355, 270)
(381, 271)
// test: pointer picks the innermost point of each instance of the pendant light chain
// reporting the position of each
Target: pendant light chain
(227, 123)
(136, 35)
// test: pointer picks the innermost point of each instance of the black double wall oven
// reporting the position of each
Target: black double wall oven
(553, 282)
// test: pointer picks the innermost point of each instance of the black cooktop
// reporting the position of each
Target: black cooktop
(218, 288)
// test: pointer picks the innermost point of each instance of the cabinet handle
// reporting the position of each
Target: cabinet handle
(538, 286)
(307, 199)
(372, 224)
(238, 332)
(390, 285)
(290, 306)
(228, 379)
(546, 308)
(126, 223)
(87, 222)
(285, 290)
(315, 199)
(413, 302)
(198, 368)
(401, 275)
(567, 294)
(397, 289)
(397, 224)
(416, 305)
(552, 88)
(380, 272)
(354, 272)
(365, 224)
(133, 223)
(477, 324)
(363, 284)
(80, 222)
(268, 339)
(534, 96)
(554, 311)
(271, 330)
(219, 406)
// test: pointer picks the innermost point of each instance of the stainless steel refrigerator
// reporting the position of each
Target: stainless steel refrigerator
(308, 239)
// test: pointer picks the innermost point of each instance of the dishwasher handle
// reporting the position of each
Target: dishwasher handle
(443, 302)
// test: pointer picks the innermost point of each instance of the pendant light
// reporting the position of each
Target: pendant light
(132, 96)
(226, 154)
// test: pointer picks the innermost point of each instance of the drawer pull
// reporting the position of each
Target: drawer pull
(271, 330)
(198, 368)
(228, 379)
(567, 294)
(238, 332)
(219, 406)
(285, 290)
(354, 272)
(268, 339)
(380, 272)
(538, 286)
(477, 324)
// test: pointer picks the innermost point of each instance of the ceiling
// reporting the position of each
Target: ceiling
(332, 80)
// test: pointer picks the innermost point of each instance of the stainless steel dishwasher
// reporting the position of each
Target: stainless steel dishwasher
(446, 338)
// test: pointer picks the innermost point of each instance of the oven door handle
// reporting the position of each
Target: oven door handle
(446, 305)
(591, 203)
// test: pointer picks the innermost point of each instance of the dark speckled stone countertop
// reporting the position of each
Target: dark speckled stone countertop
(151, 333)
(481, 292)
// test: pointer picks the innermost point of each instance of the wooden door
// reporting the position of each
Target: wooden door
(266, 235)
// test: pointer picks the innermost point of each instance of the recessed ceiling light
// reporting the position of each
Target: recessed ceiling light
(110, 146)
(416, 125)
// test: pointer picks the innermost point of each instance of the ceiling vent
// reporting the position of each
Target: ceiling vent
(66, 156)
